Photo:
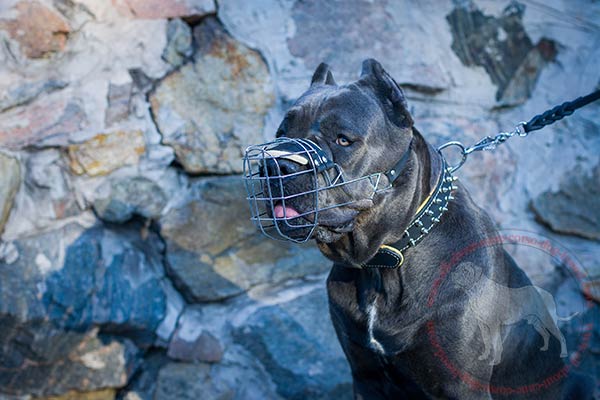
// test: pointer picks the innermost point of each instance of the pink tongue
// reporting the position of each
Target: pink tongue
(287, 212)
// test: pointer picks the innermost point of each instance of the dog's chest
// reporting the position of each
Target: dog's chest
(372, 322)
(371, 339)
(368, 316)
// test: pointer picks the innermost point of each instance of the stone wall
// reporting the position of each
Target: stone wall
(128, 265)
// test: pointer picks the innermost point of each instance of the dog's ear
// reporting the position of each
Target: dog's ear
(388, 91)
(322, 76)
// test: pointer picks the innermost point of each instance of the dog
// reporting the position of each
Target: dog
(381, 315)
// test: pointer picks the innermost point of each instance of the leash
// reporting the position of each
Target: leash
(523, 128)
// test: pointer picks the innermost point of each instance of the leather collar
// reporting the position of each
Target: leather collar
(428, 215)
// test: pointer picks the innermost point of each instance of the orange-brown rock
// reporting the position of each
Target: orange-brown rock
(102, 394)
(106, 152)
(38, 29)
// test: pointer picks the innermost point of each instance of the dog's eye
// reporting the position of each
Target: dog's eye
(343, 141)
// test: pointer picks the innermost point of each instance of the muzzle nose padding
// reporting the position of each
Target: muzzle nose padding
(303, 152)
(283, 166)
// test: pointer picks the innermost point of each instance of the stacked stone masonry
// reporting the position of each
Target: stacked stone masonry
(129, 268)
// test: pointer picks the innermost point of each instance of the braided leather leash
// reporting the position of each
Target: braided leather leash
(523, 128)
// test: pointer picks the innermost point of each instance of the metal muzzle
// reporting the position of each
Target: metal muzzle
(286, 181)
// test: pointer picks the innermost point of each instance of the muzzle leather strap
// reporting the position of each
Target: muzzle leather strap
(394, 173)
(289, 151)
(428, 215)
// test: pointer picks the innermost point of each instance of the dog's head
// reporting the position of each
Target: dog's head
(364, 127)
(335, 158)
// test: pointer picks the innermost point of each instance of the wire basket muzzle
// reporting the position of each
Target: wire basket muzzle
(286, 182)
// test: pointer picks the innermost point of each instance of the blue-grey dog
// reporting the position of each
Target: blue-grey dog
(388, 237)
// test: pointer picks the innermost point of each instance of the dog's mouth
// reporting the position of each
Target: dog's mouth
(294, 221)
(291, 221)
(291, 214)
(281, 211)
(341, 223)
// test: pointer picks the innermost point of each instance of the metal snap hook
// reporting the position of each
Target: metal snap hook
(463, 152)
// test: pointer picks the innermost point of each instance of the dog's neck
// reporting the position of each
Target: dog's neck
(376, 226)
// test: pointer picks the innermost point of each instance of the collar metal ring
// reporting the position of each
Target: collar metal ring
(463, 151)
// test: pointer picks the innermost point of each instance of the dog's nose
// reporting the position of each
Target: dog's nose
(280, 167)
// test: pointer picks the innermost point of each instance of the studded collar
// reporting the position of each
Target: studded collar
(428, 215)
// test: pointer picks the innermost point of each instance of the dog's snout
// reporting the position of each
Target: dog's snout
(280, 167)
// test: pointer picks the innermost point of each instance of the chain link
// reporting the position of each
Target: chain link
(490, 143)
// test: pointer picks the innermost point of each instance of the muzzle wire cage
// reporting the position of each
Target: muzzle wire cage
(285, 181)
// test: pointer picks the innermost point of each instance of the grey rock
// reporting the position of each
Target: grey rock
(77, 279)
(238, 374)
(502, 46)
(179, 42)
(174, 308)
(4, 396)
(211, 108)
(189, 382)
(242, 372)
(110, 278)
(8, 253)
(59, 362)
(301, 34)
(192, 343)
(44, 170)
(204, 348)
(119, 103)
(10, 180)
(119, 199)
(26, 92)
(296, 344)
(77, 13)
(214, 252)
(49, 186)
(370, 29)
(47, 121)
(143, 385)
(141, 82)
(47, 198)
(162, 9)
(62, 287)
(575, 207)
